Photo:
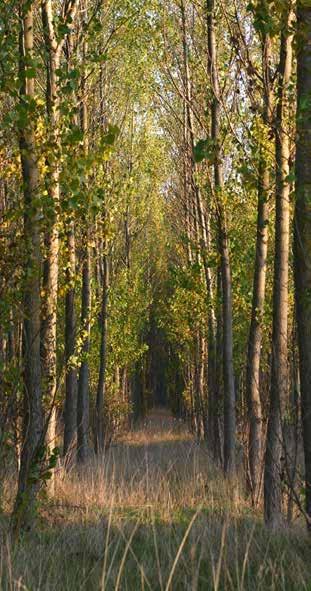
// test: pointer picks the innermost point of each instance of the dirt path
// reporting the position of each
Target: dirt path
(158, 426)
(125, 516)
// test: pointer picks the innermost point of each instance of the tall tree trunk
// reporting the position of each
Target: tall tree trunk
(101, 387)
(200, 219)
(24, 508)
(259, 286)
(212, 386)
(228, 374)
(50, 270)
(279, 373)
(70, 410)
(218, 398)
(197, 385)
(303, 232)
(83, 384)
(291, 429)
(53, 49)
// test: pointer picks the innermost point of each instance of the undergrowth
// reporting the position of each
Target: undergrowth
(153, 514)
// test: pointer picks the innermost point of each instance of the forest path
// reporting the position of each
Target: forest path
(123, 519)
(159, 424)
(157, 466)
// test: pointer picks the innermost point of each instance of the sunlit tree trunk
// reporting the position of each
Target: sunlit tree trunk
(53, 49)
(202, 239)
(71, 375)
(83, 383)
(50, 268)
(279, 372)
(223, 245)
(24, 508)
(255, 456)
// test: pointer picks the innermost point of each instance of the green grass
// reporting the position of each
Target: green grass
(129, 551)
(154, 515)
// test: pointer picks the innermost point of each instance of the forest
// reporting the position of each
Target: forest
(155, 295)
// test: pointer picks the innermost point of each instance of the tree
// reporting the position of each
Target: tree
(303, 232)
(53, 48)
(255, 456)
(70, 407)
(279, 372)
(86, 298)
(101, 386)
(223, 245)
(31, 454)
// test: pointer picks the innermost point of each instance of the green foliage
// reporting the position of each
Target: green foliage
(205, 150)
(129, 302)
(186, 307)
(268, 15)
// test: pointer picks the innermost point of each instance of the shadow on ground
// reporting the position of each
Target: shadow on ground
(153, 514)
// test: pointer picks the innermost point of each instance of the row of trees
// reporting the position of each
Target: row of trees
(232, 74)
(150, 156)
(80, 194)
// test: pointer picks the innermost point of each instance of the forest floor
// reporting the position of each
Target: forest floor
(154, 514)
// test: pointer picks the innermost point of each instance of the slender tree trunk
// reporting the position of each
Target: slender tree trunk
(50, 269)
(204, 239)
(279, 375)
(101, 388)
(197, 385)
(228, 374)
(83, 384)
(53, 50)
(212, 387)
(218, 392)
(200, 222)
(291, 430)
(259, 286)
(24, 508)
(127, 235)
(303, 232)
(70, 410)
(71, 377)
(255, 340)
(202, 386)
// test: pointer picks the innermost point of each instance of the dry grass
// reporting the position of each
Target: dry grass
(154, 514)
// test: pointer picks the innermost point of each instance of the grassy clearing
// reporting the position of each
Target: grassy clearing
(154, 514)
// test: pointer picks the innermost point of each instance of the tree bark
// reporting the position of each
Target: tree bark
(70, 410)
(279, 372)
(24, 509)
(50, 269)
(101, 388)
(255, 457)
(202, 238)
(83, 384)
(223, 245)
(303, 232)
(53, 49)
